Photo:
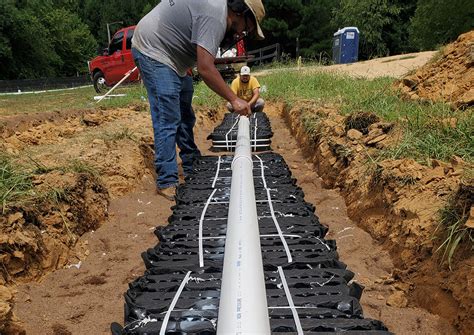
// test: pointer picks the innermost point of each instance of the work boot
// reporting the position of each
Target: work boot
(168, 193)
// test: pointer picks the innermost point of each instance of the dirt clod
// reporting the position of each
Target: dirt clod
(397, 299)
(354, 134)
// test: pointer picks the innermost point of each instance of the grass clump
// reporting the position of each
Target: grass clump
(312, 125)
(122, 134)
(453, 223)
(80, 166)
(455, 229)
(15, 182)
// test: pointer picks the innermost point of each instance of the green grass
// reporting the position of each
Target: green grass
(16, 178)
(79, 99)
(453, 224)
(80, 166)
(203, 96)
(15, 183)
(122, 134)
(426, 133)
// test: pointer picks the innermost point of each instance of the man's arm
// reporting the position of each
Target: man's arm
(213, 79)
(255, 96)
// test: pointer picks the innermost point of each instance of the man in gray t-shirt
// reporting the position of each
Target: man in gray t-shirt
(169, 41)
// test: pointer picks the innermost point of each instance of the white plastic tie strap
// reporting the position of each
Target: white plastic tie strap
(203, 214)
(296, 317)
(228, 145)
(164, 325)
(272, 211)
(255, 135)
(217, 172)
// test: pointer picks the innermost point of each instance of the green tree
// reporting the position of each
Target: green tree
(72, 41)
(316, 29)
(98, 13)
(438, 22)
(41, 40)
(282, 23)
(26, 49)
(373, 18)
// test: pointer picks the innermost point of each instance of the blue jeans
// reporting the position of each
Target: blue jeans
(173, 118)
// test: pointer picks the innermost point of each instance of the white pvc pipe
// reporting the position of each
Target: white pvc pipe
(243, 303)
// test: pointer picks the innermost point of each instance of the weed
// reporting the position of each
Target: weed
(453, 219)
(15, 182)
(56, 195)
(311, 124)
(123, 134)
(453, 222)
(80, 166)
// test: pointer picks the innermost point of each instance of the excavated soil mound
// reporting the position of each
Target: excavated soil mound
(448, 78)
(397, 201)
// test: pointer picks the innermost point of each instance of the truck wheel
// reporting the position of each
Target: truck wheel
(99, 82)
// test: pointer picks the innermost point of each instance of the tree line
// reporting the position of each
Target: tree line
(46, 38)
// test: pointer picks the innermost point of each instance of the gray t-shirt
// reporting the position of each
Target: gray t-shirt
(171, 31)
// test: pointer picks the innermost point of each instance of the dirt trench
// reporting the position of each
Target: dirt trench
(398, 203)
(86, 295)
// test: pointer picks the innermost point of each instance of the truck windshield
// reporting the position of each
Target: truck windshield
(116, 43)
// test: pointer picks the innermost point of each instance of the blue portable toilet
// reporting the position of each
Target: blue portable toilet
(345, 48)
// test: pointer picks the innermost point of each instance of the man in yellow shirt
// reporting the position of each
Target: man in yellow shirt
(247, 88)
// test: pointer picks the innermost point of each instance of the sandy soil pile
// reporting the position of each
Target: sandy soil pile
(396, 201)
(449, 77)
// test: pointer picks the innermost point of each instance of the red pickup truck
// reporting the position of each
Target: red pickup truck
(116, 61)
(108, 69)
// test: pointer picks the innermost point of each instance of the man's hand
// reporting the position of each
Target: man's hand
(241, 107)
(213, 79)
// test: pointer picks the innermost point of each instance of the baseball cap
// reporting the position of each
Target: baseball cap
(258, 11)
(245, 70)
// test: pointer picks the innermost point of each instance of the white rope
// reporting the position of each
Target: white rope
(299, 329)
(201, 254)
(173, 303)
(230, 130)
(280, 233)
(217, 172)
(255, 134)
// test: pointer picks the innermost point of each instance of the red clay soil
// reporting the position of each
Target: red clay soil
(397, 202)
(449, 77)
